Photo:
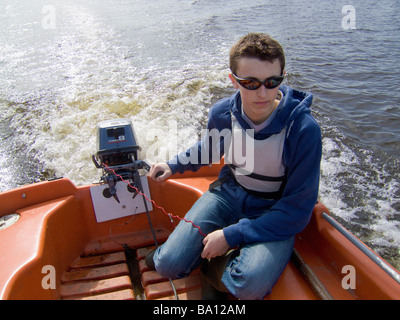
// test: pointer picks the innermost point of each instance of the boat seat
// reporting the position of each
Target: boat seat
(291, 286)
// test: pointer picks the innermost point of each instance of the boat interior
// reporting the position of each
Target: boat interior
(58, 250)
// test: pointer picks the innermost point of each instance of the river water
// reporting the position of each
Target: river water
(66, 65)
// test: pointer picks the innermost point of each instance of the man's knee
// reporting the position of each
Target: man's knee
(166, 264)
(246, 286)
(174, 263)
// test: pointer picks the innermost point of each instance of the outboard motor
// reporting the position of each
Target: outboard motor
(118, 154)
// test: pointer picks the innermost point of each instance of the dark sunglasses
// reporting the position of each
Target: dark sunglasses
(253, 84)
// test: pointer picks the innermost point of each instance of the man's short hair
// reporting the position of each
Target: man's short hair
(256, 45)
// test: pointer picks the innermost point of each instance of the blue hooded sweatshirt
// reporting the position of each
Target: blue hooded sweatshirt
(302, 151)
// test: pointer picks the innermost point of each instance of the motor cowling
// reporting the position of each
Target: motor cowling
(116, 141)
(118, 152)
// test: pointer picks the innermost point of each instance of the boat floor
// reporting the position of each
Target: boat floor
(124, 275)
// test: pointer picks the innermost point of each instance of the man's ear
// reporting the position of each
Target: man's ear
(234, 82)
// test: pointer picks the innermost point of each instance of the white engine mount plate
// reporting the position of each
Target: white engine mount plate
(109, 209)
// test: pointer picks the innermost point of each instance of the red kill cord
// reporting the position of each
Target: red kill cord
(154, 203)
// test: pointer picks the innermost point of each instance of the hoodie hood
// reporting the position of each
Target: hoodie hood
(292, 105)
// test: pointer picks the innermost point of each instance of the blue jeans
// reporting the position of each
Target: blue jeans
(249, 274)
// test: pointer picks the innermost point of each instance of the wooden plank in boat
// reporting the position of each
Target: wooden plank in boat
(142, 252)
(99, 260)
(96, 273)
(164, 289)
(102, 286)
(141, 255)
(194, 294)
(143, 267)
(150, 277)
(126, 294)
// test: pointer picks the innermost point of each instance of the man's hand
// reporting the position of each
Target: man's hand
(160, 172)
(214, 245)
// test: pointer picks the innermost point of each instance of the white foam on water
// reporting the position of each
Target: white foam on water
(101, 84)
(334, 163)
(355, 188)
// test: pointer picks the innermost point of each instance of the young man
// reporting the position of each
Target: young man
(252, 214)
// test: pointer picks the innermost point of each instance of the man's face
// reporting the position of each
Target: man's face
(260, 103)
